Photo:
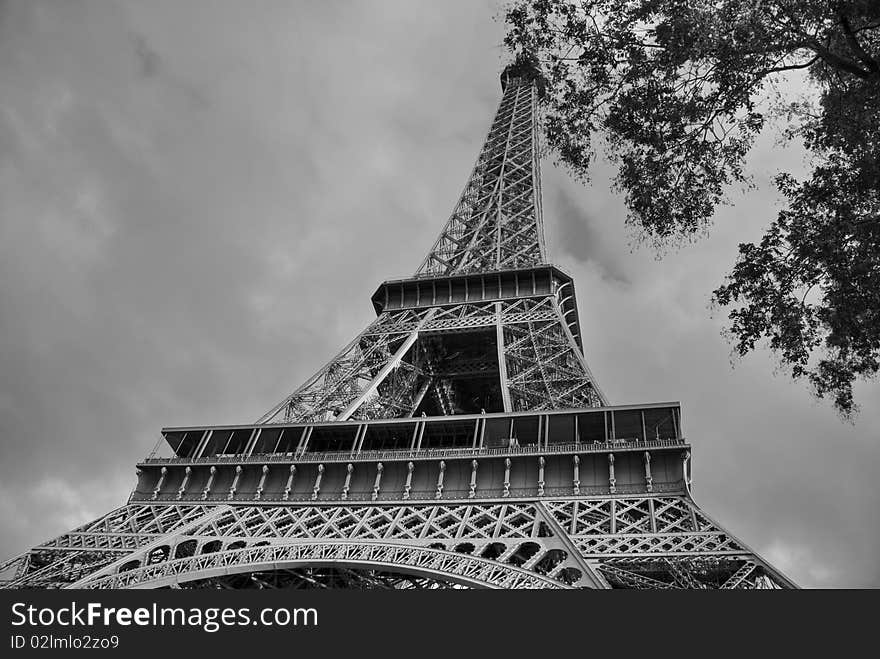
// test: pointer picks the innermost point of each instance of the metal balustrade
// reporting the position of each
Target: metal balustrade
(612, 446)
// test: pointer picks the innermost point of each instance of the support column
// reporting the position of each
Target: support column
(201, 447)
(162, 475)
(255, 435)
(685, 472)
(406, 488)
(303, 441)
(232, 489)
(347, 486)
(649, 480)
(694, 523)
(207, 490)
(589, 573)
(317, 488)
(576, 482)
(502, 363)
(473, 491)
(358, 440)
(612, 482)
(186, 475)
(420, 396)
(440, 480)
(378, 482)
(421, 425)
(506, 492)
(262, 483)
(541, 462)
(289, 485)
(278, 441)
(389, 366)
(415, 438)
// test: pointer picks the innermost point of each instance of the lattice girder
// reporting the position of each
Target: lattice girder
(692, 573)
(497, 221)
(586, 542)
(387, 370)
(104, 542)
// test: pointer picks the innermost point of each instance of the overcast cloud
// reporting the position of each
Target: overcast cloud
(198, 198)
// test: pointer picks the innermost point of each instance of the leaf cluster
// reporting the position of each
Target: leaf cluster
(677, 90)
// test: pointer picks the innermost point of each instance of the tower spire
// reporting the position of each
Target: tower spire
(497, 222)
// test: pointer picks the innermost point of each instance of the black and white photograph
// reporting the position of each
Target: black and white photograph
(401, 294)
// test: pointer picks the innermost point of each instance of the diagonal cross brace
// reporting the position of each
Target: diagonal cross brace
(163, 539)
(389, 366)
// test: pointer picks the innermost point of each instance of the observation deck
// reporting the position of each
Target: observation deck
(427, 290)
(595, 451)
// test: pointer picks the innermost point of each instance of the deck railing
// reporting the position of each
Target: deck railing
(426, 454)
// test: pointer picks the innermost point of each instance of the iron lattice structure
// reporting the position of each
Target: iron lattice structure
(460, 441)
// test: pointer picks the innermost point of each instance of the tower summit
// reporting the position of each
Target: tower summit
(460, 440)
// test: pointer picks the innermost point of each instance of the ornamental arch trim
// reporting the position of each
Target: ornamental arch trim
(463, 569)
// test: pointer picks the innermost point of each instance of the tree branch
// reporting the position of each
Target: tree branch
(791, 67)
(836, 61)
(854, 44)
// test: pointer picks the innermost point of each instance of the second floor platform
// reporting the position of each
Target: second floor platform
(596, 451)
(618, 428)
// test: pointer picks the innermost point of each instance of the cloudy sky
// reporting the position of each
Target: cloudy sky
(198, 198)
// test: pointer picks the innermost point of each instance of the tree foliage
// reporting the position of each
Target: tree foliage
(679, 90)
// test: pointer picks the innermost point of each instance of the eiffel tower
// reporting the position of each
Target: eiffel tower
(459, 441)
